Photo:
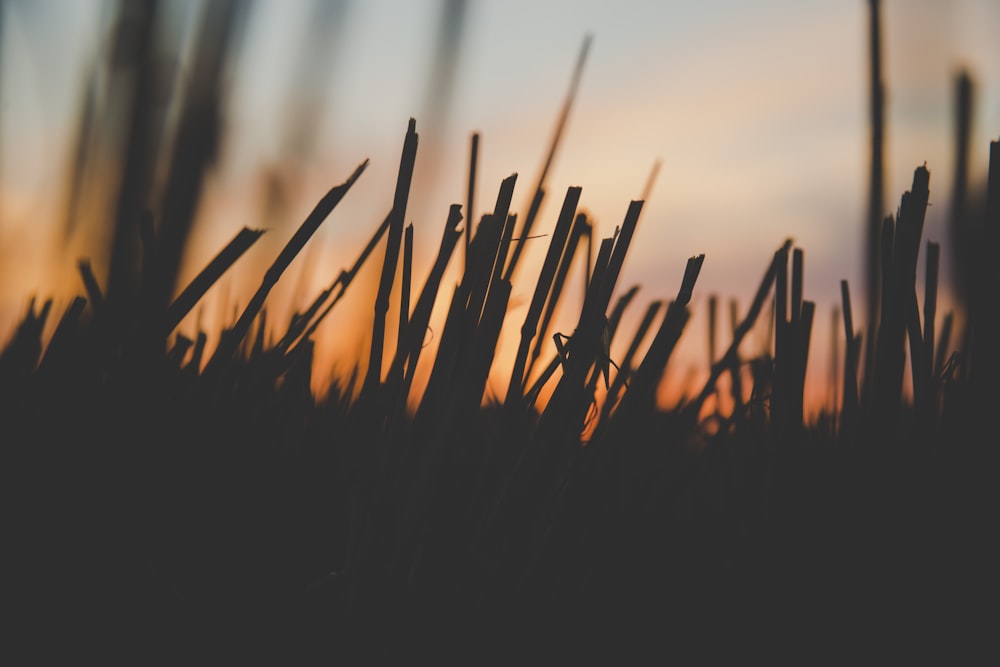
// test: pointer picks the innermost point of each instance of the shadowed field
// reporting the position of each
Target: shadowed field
(177, 502)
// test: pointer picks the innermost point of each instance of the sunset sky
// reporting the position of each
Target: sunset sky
(756, 111)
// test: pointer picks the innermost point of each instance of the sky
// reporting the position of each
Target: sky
(755, 112)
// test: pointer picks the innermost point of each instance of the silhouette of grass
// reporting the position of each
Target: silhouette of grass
(164, 505)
